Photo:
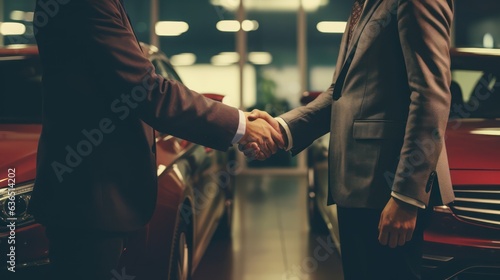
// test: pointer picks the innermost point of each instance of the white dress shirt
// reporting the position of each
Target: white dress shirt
(242, 127)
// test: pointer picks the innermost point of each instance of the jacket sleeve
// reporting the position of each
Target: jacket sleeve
(168, 106)
(424, 30)
(308, 123)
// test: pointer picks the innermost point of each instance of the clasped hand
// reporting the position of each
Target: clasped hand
(262, 137)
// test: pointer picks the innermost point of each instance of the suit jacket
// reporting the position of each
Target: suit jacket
(388, 106)
(96, 157)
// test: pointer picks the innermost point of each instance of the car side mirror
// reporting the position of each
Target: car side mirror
(214, 96)
(309, 96)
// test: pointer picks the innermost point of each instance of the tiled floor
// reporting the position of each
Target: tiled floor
(270, 240)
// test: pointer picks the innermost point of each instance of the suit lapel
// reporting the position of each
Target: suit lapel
(343, 44)
(368, 11)
(346, 57)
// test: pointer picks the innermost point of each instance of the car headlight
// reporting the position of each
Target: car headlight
(14, 205)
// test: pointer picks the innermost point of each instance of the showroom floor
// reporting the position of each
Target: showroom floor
(270, 236)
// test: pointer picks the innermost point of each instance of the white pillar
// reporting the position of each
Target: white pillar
(241, 48)
(154, 14)
(302, 47)
(1, 20)
(302, 64)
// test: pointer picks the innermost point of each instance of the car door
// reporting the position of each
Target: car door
(207, 192)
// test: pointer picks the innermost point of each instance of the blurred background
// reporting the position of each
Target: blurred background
(258, 53)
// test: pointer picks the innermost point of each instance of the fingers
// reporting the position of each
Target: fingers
(257, 114)
(261, 140)
(265, 149)
(250, 150)
(278, 138)
(264, 140)
(397, 224)
(383, 237)
(253, 152)
(402, 239)
(393, 237)
(409, 235)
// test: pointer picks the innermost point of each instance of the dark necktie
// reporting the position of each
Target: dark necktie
(357, 9)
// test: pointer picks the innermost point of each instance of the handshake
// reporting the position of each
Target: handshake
(263, 136)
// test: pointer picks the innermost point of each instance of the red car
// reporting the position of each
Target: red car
(463, 238)
(195, 184)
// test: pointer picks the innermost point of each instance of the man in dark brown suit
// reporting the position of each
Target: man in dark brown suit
(386, 110)
(96, 172)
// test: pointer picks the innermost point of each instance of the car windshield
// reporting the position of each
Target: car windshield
(475, 94)
(20, 90)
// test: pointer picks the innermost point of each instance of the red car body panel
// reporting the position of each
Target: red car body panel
(470, 149)
(475, 177)
(18, 146)
(18, 143)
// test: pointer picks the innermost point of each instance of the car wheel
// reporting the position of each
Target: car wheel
(317, 224)
(181, 262)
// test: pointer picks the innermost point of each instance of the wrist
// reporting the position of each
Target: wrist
(405, 206)
(284, 134)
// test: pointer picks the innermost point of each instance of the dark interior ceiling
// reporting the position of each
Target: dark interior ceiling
(277, 30)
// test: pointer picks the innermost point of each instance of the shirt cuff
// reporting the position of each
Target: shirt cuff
(408, 200)
(242, 127)
(288, 133)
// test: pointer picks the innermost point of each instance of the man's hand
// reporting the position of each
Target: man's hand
(258, 114)
(261, 140)
(397, 223)
(252, 149)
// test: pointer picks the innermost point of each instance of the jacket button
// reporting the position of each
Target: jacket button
(430, 182)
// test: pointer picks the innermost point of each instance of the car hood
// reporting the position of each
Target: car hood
(473, 144)
(18, 146)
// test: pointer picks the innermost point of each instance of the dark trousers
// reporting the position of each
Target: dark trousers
(79, 254)
(364, 258)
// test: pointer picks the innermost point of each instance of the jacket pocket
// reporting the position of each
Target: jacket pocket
(378, 129)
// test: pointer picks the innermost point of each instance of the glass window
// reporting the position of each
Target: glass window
(166, 70)
(159, 68)
(475, 94)
(21, 94)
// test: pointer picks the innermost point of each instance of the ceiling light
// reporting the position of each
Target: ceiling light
(228, 25)
(480, 51)
(493, 131)
(28, 16)
(17, 15)
(331, 26)
(249, 25)
(311, 5)
(260, 58)
(12, 28)
(271, 5)
(488, 41)
(171, 28)
(225, 58)
(183, 59)
(227, 4)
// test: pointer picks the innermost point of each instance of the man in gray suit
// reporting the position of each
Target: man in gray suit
(386, 110)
